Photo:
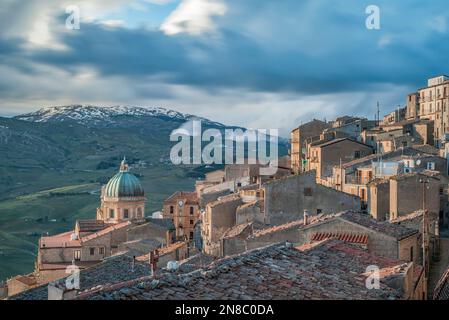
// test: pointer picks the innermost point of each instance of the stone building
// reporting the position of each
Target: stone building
(120, 220)
(407, 194)
(324, 156)
(122, 198)
(385, 239)
(272, 203)
(350, 127)
(297, 139)
(183, 209)
(379, 199)
(431, 102)
(218, 217)
(286, 199)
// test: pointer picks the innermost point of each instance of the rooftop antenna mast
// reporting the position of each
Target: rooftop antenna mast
(378, 114)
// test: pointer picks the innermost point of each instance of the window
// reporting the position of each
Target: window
(411, 254)
(126, 213)
(101, 250)
(191, 222)
(92, 251)
(172, 209)
(111, 213)
(307, 192)
(318, 211)
(191, 211)
(357, 154)
(430, 165)
(77, 255)
(191, 235)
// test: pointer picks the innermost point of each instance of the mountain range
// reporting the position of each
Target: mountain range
(55, 160)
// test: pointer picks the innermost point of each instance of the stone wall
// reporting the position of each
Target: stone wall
(378, 243)
(219, 217)
(289, 234)
(406, 195)
(379, 200)
(209, 197)
(147, 231)
(249, 212)
(236, 244)
(409, 249)
(286, 199)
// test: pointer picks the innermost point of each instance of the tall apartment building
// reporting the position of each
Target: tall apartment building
(431, 103)
(298, 137)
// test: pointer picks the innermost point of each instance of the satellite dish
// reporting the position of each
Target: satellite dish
(418, 162)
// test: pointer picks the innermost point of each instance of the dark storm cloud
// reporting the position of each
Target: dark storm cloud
(301, 48)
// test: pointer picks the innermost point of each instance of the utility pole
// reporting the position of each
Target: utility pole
(425, 185)
(378, 114)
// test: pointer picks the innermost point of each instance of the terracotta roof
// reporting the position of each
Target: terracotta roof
(28, 280)
(415, 174)
(106, 231)
(112, 270)
(330, 270)
(91, 225)
(163, 251)
(346, 237)
(198, 261)
(236, 230)
(227, 198)
(63, 266)
(62, 240)
(378, 181)
(441, 291)
(408, 217)
(293, 224)
(327, 143)
(189, 197)
(393, 230)
(428, 149)
(402, 151)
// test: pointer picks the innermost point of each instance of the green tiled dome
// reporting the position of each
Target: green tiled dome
(124, 184)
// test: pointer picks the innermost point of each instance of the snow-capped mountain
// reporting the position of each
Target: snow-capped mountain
(96, 115)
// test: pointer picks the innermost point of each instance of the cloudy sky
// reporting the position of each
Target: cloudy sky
(255, 63)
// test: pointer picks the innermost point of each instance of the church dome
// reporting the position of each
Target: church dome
(124, 184)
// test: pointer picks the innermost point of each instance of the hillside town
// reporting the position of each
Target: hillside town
(352, 195)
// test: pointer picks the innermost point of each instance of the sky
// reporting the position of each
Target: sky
(253, 63)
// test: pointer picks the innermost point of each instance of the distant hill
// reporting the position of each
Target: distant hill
(53, 162)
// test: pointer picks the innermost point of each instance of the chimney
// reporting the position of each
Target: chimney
(306, 217)
(154, 258)
(58, 291)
